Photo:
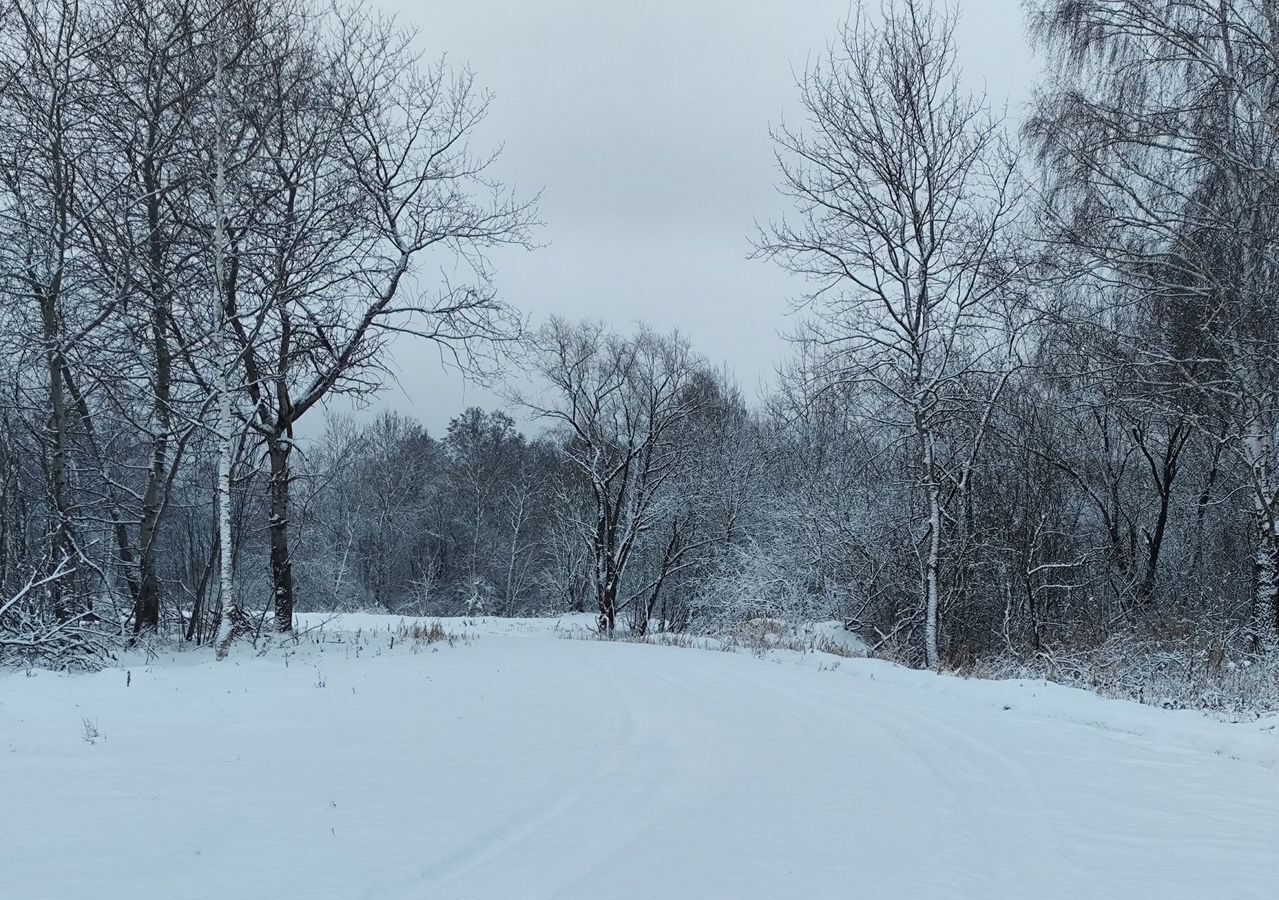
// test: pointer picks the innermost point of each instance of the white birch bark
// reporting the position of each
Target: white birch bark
(231, 615)
(1263, 626)
(932, 564)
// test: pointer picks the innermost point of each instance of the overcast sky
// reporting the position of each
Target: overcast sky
(645, 125)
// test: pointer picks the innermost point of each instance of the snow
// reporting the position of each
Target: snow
(514, 764)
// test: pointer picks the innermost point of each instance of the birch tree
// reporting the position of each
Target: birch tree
(233, 621)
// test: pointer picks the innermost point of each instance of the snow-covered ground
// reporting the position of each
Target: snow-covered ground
(517, 765)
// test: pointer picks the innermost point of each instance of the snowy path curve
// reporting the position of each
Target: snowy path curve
(531, 768)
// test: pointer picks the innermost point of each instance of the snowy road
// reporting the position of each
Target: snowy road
(530, 767)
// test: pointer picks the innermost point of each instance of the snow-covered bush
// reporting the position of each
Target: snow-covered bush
(754, 584)
(32, 635)
(1174, 673)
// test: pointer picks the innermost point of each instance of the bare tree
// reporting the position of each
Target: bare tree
(621, 402)
(45, 77)
(366, 174)
(904, 191)
(140, 232)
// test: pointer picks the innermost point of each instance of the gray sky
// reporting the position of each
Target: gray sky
(645, 124)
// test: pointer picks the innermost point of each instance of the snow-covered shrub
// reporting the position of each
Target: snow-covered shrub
(1170, 672)
(754, 584)
(32, 635)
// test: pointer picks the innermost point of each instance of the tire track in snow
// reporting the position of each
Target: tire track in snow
(650, 799)
(481, 848)
(818, 714)
(925, 781)
(657, 800)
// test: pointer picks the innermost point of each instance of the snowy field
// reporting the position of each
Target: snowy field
(518, 765)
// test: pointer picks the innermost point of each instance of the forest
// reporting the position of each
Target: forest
(1028, 425)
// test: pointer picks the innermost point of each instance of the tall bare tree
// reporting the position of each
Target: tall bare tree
(367, 173)
(45, 142)
(904, 189)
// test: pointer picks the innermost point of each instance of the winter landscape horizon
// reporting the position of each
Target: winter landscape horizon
(744, 450)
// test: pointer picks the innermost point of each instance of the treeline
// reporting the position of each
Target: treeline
(1032, 406)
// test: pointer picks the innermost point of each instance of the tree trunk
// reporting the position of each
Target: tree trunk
(146, 607)
(608, 603)
(1154, 545)
(195, 627)
(1265, 613)
(146, 613)
(1264, 626)
(1201, 511)
(932, 564)
(281, 562)
(1032, 612)
(232, 619)
(932, 561)
(606, 574)
(62, 541)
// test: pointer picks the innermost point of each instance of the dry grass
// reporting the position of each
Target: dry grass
(761, 635)
(654, 639)
(421, 634)
(756, 636)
